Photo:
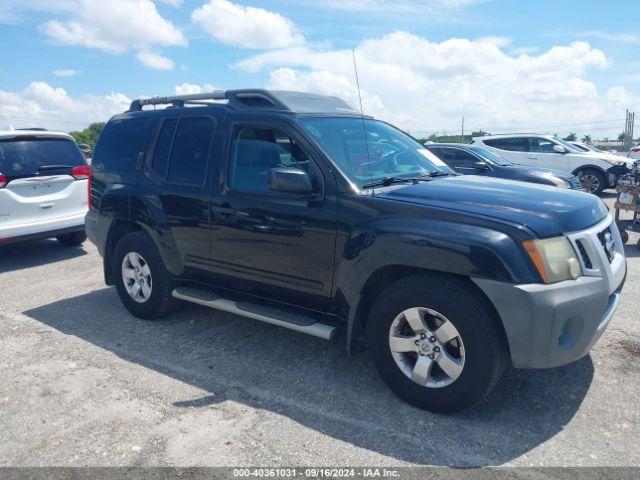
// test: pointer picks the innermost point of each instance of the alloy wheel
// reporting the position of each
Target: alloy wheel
(426, 347)
(136, 277)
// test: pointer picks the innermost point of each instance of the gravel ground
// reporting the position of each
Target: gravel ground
(86, 384)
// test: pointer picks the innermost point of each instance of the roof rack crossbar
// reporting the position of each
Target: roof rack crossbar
(237, 97)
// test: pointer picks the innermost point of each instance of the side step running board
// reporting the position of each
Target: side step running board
(275, 316)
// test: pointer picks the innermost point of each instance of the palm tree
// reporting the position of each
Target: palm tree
(586, 139)
(571, 137)
(622, 137)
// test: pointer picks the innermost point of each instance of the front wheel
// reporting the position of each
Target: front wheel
(593, 181)
(436, 343)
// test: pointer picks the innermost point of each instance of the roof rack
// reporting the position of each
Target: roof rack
(279, 100)
(249, 98)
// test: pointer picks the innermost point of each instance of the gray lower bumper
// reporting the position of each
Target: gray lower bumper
(552, 325)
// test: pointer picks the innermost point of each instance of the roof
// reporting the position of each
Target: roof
(507, 135)
(457, 145)
(33, 133)
(255, 99)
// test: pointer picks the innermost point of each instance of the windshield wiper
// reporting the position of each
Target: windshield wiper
(387, 181)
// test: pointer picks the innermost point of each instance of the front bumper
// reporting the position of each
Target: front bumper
(614, 173)
(549, 325)
(552, 325)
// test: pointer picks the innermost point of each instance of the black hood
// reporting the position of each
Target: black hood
(529, 174)
(548, 211)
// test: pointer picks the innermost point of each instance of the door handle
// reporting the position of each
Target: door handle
(225, 210)
(531, 157)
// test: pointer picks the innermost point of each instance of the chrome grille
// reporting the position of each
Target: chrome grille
(583, 254)
(607, 242)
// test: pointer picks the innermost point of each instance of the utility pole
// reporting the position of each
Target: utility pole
(462, 136)
(627, 142)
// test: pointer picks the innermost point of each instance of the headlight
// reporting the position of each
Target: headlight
(554, 259)
(559, 182)
(614, 162)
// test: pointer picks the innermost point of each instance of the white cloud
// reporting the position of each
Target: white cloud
(426, 86)
(613, 37)
(67, 72)
(424, 7)
(155, 60)
(246, 27)
(190, 88)
(114, 26)
(42, 105)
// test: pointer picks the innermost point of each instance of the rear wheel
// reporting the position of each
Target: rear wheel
(142, 281)
(72, 239)
(436, 343)
(592, 180)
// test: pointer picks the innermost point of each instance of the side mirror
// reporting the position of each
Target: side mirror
(559, 149)
(289, 180)
(480, 165)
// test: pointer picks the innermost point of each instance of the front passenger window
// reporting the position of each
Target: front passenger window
(256, 150)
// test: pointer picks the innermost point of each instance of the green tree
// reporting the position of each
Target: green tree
(89, 135)
(622, 137)
(572, 137)
(586, 139)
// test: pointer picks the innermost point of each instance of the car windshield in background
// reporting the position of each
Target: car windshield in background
(595, 149)
(489, 156)
(27, 155)
(568, 146)
(391, 153)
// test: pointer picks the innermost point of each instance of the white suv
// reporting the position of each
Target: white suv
(44, 187)
(597, 171)
(634, 152)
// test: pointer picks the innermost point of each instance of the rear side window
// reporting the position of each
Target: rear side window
(118, 145)
(190, 152)
(511, 144)
(163, 147)
(29, 155)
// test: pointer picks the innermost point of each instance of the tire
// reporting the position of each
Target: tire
(624, 236)
(74, 239)
(484, 351)
(593, 181)
(156, 300)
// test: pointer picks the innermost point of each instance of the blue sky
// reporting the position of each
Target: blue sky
(538, 65)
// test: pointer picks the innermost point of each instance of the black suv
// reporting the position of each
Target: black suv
(295, 210)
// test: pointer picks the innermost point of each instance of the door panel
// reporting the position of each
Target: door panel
(268, 243)
(177, 175)
(541, 154)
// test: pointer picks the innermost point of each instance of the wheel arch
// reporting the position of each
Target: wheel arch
(590, 166)
(387, 275)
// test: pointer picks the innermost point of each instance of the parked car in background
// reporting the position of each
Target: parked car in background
(634, 152)
(596, 171)
(476, 160)
(292, 209)
(43, 187)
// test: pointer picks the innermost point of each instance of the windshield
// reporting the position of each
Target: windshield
(392, 153)
(567, 145)
(594, 149)
(27, 155)
(489, 156)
